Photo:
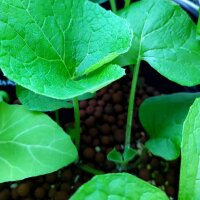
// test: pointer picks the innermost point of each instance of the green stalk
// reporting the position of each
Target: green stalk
(131, 104)
(90, 170)
(113, 5)
(127, 3)
(77, 122)
(57, 116)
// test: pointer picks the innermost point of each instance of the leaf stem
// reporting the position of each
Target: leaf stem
(77, 122)
(57, 117)
(113, 5)
(90, 169)
(131, 104)
(127, 3)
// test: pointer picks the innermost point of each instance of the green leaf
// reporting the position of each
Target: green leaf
(31, 144)
(129, 154)
(120, 186)
(4, 96)
(115, 156)
(190, 155)
(198, 27)
(59, 48)
(99, 1)
(38, 102)
(163, 118)
(165, 37)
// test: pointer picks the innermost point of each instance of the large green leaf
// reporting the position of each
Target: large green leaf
(121, 186)
(189, 188)
(165, 37)
(54, 48)
(31, 144)
(38, 102)
(163, 118)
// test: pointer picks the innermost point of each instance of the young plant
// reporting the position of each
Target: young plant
(57, 52)
(158, 39)
(109, 186)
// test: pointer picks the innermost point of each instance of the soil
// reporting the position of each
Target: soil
(103, 120)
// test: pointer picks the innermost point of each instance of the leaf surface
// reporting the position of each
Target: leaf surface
(190, 155)
(120, 186)
(163, 118)
(31, 144)
(60, 48)
(165, 37)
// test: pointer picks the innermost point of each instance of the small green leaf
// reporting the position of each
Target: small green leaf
(120, 186)
(115, 156)
(165, 37)
(4, 96)
(163, 118)
(38, 102)
(129, 154)
(190, 155)
(60, 48)
(31, 144)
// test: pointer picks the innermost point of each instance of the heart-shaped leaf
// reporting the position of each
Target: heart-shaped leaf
(115, 156)
(54, 48)
(190, 155)
(163, 118)
(165, 37)
(31, 144)
(129, 154)
(117, 187)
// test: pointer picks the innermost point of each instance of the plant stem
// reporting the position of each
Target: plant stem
(127, 3)
(113, 5)
(90, 169)
(131, 104)
(57, 116)
(77, 122)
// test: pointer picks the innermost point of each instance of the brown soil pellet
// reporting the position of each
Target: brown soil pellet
(88, 152)
(105, 129)
(39, 193)
(118, 108)
(105, 140)
(23, 189)
(90, 110)
(61, 195)
(117, 97)
(144, 174)
(90, 121)
(5, 194)
(99, 157)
